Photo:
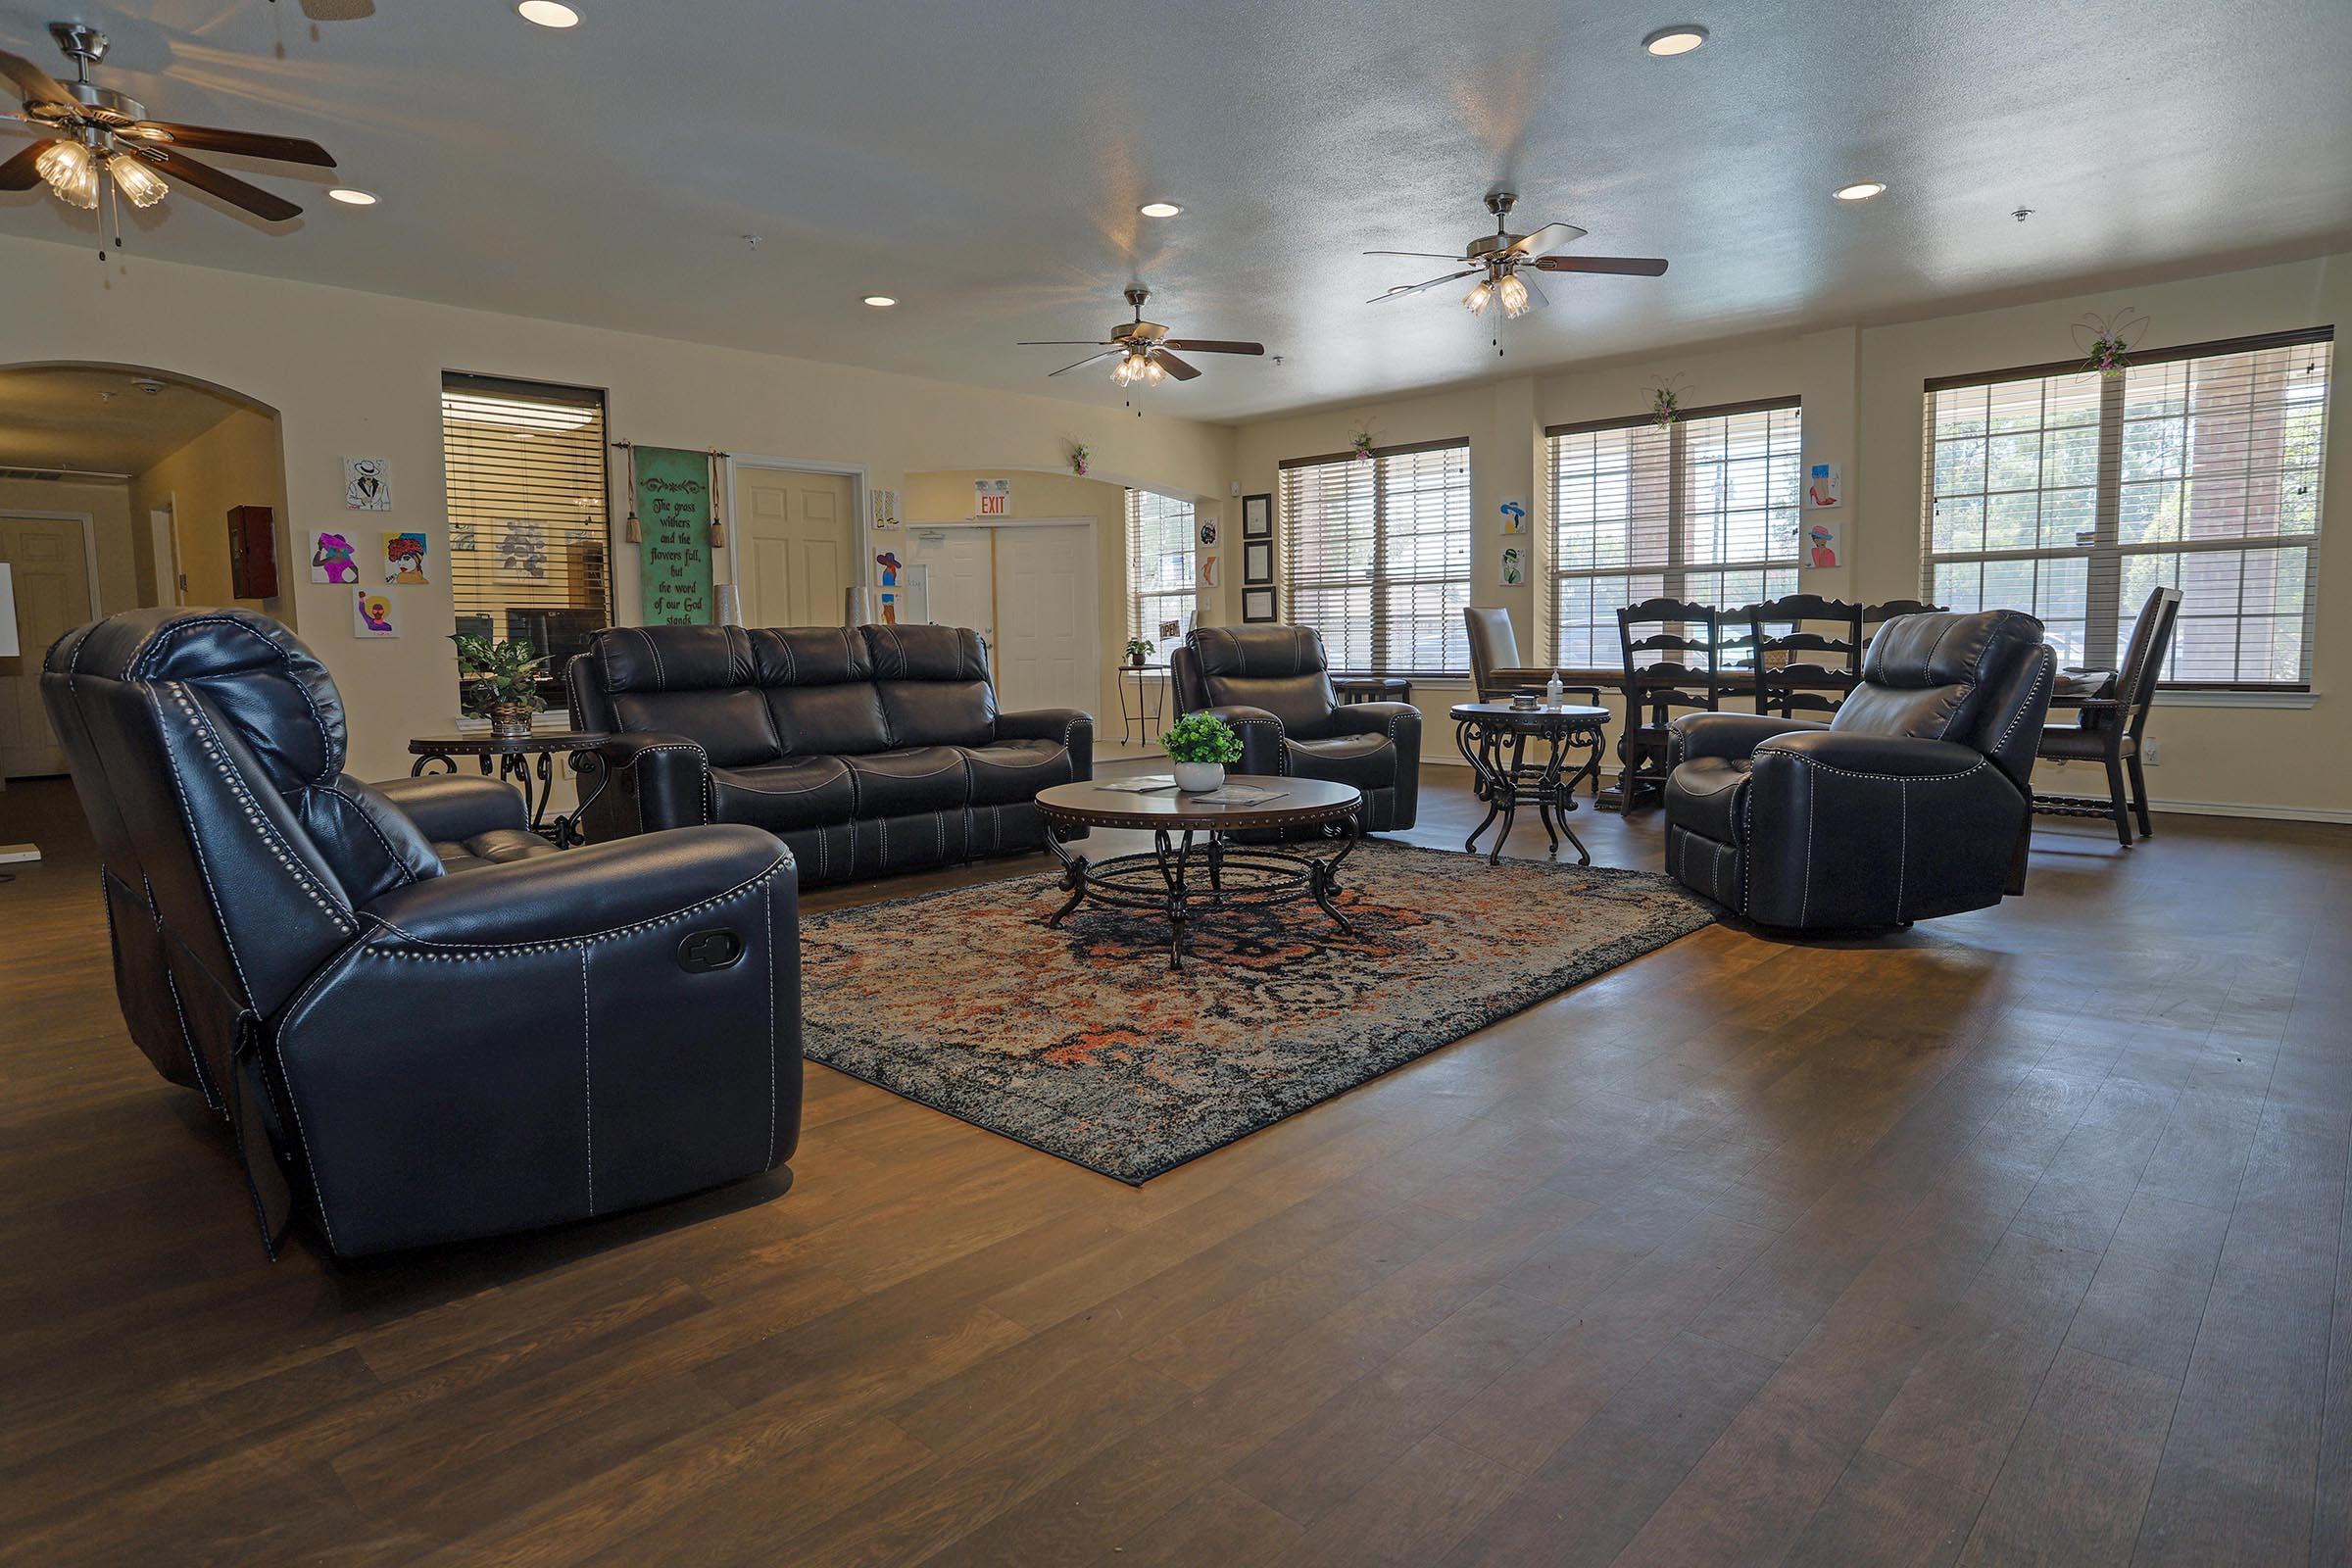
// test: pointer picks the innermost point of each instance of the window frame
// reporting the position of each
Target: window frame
(1381, 582)
(2106, 617)
(1677, 570)
(1138, 624)
(556, 393)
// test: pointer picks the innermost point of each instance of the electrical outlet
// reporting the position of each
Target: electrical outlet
(2150, 754)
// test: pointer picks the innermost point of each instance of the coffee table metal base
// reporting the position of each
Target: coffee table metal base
(1190, 871)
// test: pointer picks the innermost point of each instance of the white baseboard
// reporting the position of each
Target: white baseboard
(2268, 813)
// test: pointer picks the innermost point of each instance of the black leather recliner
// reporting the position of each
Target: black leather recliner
(1915, 800)
(867, 750)
(1273, 686)
(413, 1013)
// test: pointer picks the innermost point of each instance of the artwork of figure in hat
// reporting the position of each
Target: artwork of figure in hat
(331, 558)
(1825, 545)
(404, 558)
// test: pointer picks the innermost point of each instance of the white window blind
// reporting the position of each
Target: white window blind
(1376, 557)
(1704, 509)
(2072, 495)
(528, 547)
(1161, 576)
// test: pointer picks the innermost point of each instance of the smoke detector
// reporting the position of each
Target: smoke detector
(149, 385)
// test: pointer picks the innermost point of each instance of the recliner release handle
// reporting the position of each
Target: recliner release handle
(706, 952)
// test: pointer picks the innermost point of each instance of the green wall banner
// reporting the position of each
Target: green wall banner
(673, 510)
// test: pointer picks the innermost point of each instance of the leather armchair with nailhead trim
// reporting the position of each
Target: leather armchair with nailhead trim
(867, 750)
(1273, 685)
(1915, 800)
(420, 1023)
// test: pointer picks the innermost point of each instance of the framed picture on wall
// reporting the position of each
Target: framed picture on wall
(1258, 561)
(1258, 604)
(1257, 516)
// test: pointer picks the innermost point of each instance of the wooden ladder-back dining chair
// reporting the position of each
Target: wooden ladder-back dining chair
(2112, 724)
(1804, 652)
(1672, 650)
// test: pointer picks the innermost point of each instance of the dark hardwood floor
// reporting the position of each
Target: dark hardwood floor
(2017, 1237)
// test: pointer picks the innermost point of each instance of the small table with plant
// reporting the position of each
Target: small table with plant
(499, 680)
(1190, 817)
(1143, 692)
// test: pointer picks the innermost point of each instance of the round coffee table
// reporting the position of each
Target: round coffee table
(1238, 875)
(1493, 737)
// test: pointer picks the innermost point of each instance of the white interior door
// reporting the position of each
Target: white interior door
(49, 562)
(962, 575)
(162, 538)
(797, 546)
(1045, 645)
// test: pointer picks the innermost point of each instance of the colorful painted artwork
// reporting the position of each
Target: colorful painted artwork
(1513, 572)
(1514, 517)
(367, 484)
(372, 614)
(331, 557)
(1825, 484)
(404, 558)
(1825, 545)
(888, 565)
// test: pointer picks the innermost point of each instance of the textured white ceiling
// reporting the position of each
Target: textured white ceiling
(983, 162)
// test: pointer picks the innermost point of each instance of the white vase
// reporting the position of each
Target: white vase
(1195, 778)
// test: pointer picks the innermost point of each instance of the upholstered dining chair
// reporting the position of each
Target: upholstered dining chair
(2111, 728)
(1493, 647)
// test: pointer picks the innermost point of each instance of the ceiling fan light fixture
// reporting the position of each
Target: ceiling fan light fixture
(136, 179)
(1480, 293)
(1680, 40)
(350, 197)
(71, 171)
(1860, 190)
(1513, 294)
(548, 13)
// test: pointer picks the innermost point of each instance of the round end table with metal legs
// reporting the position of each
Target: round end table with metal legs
(1494, 740)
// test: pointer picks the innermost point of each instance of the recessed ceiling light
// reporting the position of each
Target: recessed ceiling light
(1159, 209)
(1860, 192)
(1679, 39)
(352, 198)
(548, 13)
(880, 302)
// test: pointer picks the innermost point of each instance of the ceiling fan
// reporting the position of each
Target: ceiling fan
(1499, 259)
(1143, 348)
(99, 141)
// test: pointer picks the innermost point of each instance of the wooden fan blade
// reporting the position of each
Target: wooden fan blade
(35, 85)
(1210, 345)
(205, 138)
(18, 173)
(1174, 365)
(1403, 289)
(1626, 265)
(1543, 241)
(1089, 360)
(1427, 255)
(229, 187)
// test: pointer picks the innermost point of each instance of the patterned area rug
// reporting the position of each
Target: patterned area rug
(1078, 1041)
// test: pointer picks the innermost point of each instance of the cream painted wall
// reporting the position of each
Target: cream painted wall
(358, 374)
(109, 509)
(1861, 388)
(235, 464)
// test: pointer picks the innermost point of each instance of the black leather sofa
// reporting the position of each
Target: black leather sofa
(867, 750)
(1273, 685)
(1914, 801)
(417, 1018)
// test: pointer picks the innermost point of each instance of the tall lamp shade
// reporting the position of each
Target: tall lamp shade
(9, 648)
(858, 607)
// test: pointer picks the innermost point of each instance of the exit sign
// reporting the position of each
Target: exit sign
(991, 498)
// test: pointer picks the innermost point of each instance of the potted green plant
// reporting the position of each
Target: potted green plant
(1201, 745)
(1139, 651)
(500, 678)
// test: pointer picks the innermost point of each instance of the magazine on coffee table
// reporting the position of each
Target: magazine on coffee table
(1238, 795)
(1142, 784)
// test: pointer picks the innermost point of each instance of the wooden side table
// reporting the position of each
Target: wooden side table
(528, 761)
(1372, 688)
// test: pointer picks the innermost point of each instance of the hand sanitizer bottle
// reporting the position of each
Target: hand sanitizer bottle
(1552, 691)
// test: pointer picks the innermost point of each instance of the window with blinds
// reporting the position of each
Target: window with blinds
(2071, 495)
(1704, 509)
(1162, 578)
(1376, 557)
(529, 550)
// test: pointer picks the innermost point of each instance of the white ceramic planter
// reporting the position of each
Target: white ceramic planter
(1194, 778)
